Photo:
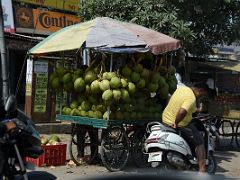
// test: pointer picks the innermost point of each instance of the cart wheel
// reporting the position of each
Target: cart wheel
(114, 148)
(139, 158)
(73, 149)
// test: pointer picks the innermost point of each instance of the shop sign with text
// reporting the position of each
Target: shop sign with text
(8, 16)
(69, 5)
(42, 22)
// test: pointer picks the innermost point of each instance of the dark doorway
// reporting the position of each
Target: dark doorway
(16, 67)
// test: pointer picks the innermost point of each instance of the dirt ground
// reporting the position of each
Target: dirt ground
(228, 165)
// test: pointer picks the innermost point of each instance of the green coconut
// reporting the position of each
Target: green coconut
(79, 72)
(161, 81)
(126, 71)
(131, 88)
(104, 75)
(135, 77)
(52, 76)
(88, 89)
(164, 91)
(86, 106)
(67, 111)
(138, 68)
(74, 104)
(67, 78)
(68, 87)
(94, 107)
(115, 82)
(91, 114)
(117, 94)
(155, 76)
(95, 87)
(90, 77)
(145, 73)
(153, 87)
(79, 85)
(101, 107)
(75, 112)
(163, 71)
(171, 70)
(106, 115)
(98, 114)
(56, 83)
(79, 107)
(60, 71)
(141, 83)
(172, 86)
(109, 75)
(124, 82)
(125, 95)
(83, 113)
(107, 95)
(104, 85)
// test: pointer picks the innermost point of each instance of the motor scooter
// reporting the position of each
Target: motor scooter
(20, 142)
(168, 149)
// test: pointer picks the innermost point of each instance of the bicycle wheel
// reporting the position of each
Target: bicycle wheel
(226, 132)
(114, 149)
(87, 147)
(237, 135)
(139, 158)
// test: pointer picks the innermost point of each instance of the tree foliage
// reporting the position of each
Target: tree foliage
(198, 24)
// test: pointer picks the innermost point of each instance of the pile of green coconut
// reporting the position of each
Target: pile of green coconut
(132, 92)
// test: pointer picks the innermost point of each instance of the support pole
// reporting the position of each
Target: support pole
(4, 69)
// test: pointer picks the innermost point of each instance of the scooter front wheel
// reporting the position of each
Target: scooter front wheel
(212, 164)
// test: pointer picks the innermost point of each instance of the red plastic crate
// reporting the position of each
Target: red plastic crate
(53, 155)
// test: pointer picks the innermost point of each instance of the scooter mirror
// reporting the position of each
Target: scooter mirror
(11, 104)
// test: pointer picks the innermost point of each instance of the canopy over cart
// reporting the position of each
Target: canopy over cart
(106, 34)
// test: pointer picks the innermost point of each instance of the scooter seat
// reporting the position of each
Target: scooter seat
(168, 129)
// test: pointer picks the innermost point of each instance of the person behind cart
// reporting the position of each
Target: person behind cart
(82, 130)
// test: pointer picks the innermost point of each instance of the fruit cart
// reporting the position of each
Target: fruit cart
(116, 143)
(115, 95)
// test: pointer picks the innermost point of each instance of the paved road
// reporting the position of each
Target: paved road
(228, 167)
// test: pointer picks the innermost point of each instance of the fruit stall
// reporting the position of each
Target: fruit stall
(119, 91)
(226, 78)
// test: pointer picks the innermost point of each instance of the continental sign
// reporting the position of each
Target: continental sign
(41, 22)
(69, 5)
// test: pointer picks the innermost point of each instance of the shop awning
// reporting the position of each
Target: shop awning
(226, 65)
